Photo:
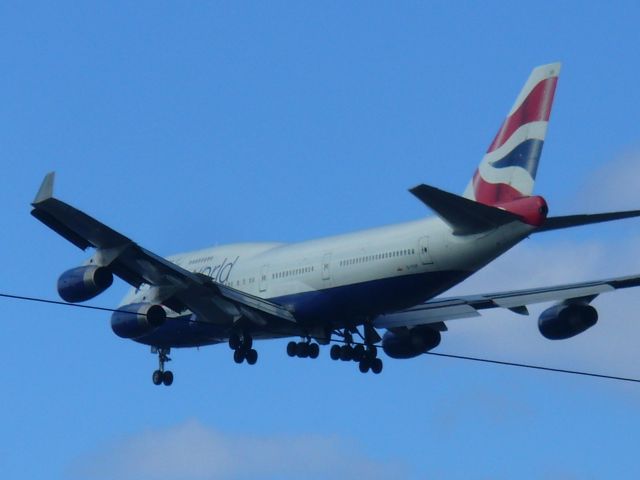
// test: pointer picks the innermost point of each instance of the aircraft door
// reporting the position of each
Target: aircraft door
(423, 249)
(326, 270)
(264, 271)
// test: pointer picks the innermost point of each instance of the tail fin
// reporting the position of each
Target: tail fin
(508, 169)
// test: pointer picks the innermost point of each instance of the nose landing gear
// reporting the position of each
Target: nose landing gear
(162, 376)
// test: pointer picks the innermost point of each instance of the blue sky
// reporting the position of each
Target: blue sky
(189, 124)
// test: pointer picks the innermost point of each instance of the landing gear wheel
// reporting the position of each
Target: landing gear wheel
(157, 377)
(358, 353)
(302, 349)
(238, 356)
(247, 342)
(376, 366)
(292, 349)
(364, 365)
(252, 357)
(234, 341)
(314, 350)
(335, 352)
(346, 353)
(167, 378)
(163, 357)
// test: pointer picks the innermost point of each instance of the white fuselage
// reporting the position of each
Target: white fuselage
(347, 279)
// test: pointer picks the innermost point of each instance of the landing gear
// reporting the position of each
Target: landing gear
(162, 376)
(242, 348)
(238, 356)
(368, 363)
(376, 366)
(167, 378)
(366, 355)
(251, 357)
(157, 377)
(335, 352)
(306, 349)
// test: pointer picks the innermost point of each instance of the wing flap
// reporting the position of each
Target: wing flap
(516, 300)
(436, 314)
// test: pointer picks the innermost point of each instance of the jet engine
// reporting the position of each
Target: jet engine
(83, 283)
(409, 343)
(566, 320)
(137, 319)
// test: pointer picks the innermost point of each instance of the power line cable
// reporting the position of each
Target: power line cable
(436, 354)
(534, 367)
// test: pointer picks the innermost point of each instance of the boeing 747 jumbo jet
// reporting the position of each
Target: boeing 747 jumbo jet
(346, 287)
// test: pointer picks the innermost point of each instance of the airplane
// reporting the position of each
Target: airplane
(344, 289)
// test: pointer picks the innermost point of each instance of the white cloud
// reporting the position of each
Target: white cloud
(613, 186)
(191, 451)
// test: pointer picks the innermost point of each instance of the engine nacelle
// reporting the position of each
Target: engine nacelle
(83, 283)
(409, 343)
(566, 320)
(137, 319)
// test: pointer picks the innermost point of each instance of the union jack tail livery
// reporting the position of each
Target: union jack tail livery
(508, 170)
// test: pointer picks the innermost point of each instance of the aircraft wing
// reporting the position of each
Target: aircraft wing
(181, 289)
(442, 309)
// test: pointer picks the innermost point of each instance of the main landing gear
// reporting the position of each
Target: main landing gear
(162, 376)
(307, 349)
(242, 348)
(366, 355)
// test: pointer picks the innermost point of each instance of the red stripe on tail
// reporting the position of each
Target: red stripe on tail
(536, 107)
(492, 193)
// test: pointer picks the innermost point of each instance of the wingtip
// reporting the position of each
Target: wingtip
(46, 189)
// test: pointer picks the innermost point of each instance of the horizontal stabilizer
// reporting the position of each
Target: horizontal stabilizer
(556, 223)
(465, 216)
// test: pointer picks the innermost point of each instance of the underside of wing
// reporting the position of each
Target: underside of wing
(443, 309)
(176, 287)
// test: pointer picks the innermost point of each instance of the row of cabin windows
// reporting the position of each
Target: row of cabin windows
(378, 256)
(292, 272)
(200, 260)
(243, 282)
